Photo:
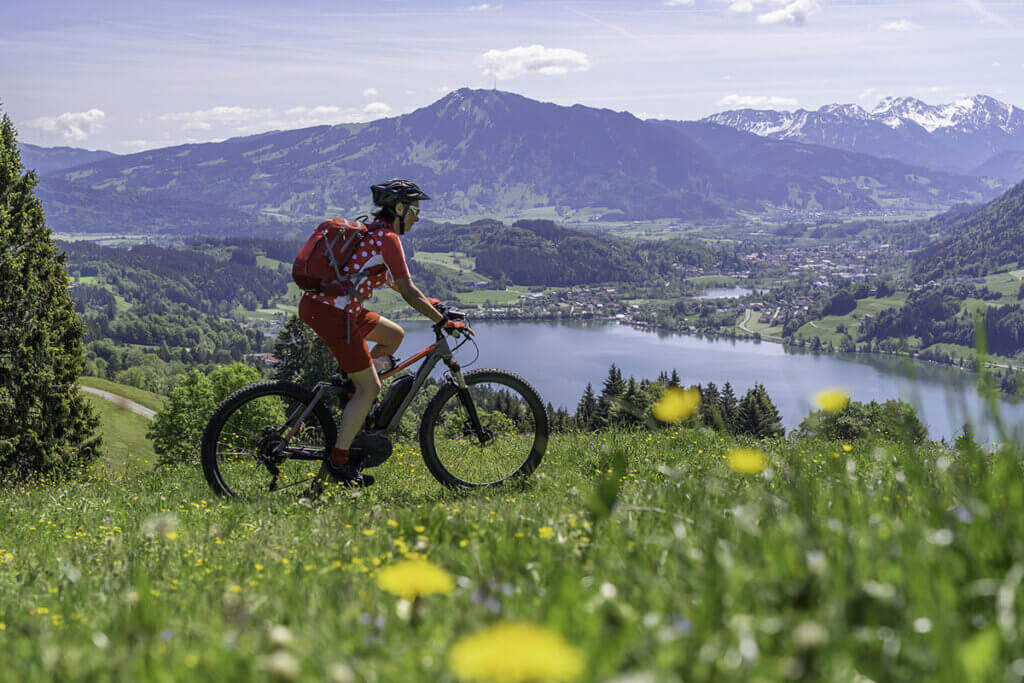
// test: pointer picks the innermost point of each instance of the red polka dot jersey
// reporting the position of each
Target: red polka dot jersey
(378, 260)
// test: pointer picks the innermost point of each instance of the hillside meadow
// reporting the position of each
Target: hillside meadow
(663, 555)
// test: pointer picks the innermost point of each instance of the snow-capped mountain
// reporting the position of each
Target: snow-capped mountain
(957, 137)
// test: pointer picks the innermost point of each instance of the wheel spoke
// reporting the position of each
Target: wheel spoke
(514, 426)
(246, 445)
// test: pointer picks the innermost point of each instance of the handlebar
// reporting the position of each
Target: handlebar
(449, 315)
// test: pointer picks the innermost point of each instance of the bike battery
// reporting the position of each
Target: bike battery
(397, 392)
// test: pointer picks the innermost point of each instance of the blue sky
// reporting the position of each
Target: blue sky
(128, 75)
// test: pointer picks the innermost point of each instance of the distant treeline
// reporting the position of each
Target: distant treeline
(540, 252)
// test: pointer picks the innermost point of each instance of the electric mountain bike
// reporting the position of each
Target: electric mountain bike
(481, 428)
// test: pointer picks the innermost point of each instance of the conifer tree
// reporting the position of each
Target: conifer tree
(711, 407)
(45, 423)
(730, 406)
(614, 388)
(629, 410)
(674, 381)
(304, 357)
(771, 420)
(586, 408)
(749, 415)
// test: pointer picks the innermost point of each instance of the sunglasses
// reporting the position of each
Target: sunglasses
(415, 209)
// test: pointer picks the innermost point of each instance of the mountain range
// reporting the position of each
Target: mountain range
(965, 136)
(488, 153)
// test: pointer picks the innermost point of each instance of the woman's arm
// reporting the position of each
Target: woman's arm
(414, 297)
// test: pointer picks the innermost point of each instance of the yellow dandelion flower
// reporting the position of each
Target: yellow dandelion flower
(831, 400)
(847, 447)
(545, 532)
(676, 404)
(746, 460)
(485, 655)
(171, 535)
(411, 579)
(235, 588)
(369, 532)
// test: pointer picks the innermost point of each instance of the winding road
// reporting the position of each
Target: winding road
(121, 401)
(743, 326)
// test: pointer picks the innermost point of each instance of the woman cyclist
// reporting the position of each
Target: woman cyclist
(343, 323)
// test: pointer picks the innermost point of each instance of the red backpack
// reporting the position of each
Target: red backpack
(317, 267)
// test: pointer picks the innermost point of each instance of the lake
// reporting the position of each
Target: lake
(724, 293)
(560, 358)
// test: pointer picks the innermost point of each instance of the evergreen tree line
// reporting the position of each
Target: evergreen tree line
(159, 277)
(628, 403)
(540, 252)
(46, 426)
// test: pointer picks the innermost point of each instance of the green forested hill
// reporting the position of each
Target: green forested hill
(151, 312)
(990, 239)
(75, 207)
(539, 252)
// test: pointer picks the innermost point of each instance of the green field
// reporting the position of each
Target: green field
(455, 265)
(714, 280)
(140, 396)
(825, 328)
(497, 297)
(839, 562)
(125, 446)
(1007, 284)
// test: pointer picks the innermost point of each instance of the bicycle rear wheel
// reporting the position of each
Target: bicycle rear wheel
(243, 453)
(515, 427)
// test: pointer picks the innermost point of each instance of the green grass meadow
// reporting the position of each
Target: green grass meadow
(140, 396)
(837, 562)
(124, 446)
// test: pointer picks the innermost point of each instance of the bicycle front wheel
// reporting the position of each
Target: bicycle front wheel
(514, 430)
(243, 450)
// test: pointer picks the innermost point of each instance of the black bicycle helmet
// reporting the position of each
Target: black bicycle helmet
(391, 192)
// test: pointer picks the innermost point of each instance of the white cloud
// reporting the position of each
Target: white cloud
(245, 121)
(774, 11)
(677, 3)
(795, 12)
(442, 90)
(866, 94)
(376, 109)
(518, 61)
(222, 116)
(132, 146)
(72, 126)
(481, 8)
(369, 92)
(899, 25)
(646, 116)
(758, 102)
(996, 64)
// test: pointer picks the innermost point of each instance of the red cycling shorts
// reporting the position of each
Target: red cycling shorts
(345, 334)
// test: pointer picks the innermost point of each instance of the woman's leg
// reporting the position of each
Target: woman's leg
(358, 407)
(388, 336)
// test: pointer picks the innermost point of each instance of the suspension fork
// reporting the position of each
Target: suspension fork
(462, 391)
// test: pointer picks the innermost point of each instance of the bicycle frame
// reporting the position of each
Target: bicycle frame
(440, 350)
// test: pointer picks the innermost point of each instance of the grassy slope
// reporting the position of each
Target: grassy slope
(140, 396)
(832, 565)
(826, 327)
(125, 445)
